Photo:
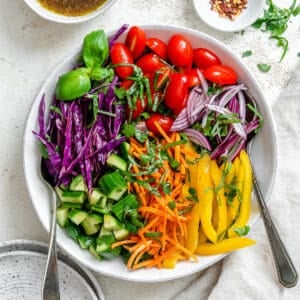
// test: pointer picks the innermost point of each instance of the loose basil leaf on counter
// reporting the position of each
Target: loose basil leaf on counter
(95, 49)
(247, 53)
(73, 84)
(264, 68)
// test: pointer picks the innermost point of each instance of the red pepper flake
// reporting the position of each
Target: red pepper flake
(228, 8)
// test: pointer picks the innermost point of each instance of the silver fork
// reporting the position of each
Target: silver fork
(285, 268)
(50, 288)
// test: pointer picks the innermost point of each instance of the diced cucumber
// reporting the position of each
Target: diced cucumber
(71, 205)
(59, 192)
(89, 226)
(95, 218)
(111, 223)
(117, 162)
(111, 253)
(93, 251)
(86, 241)
(113, 185)
(62, 216)
(72, 230)
(104, 243)
(99, 209)
(97, 198)
(73, 196)
(78, 184)
(104, 231)
(118, 208)
(124, 147)
(77, 216)
(121, 234)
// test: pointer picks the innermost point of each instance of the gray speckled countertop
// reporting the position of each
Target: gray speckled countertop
(31, 47)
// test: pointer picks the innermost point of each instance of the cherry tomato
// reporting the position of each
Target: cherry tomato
(126, 84)
(204, 58)
(149, 63)
(136, 41)
(120, 54)
(157, 46)
(140, 107)
(177, 91)
(193, 78)
(164, 121)
(220, 74)
(180, 51)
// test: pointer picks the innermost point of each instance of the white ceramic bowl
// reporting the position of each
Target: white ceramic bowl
(264, 154)
(246, 18)
(52, 16)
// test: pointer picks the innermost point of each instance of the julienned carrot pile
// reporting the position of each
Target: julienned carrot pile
(164, 207)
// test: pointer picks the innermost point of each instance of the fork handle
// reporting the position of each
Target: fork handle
(50, 289)
(285, 268)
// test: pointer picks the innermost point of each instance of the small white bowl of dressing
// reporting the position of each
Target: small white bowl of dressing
(69, 11)
(226, 15)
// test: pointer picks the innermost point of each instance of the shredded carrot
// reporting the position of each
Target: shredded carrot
(165, 214)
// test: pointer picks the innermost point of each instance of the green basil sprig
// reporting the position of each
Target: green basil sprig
(78, 82)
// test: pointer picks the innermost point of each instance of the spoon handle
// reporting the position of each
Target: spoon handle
(50, 288)
(285, 268)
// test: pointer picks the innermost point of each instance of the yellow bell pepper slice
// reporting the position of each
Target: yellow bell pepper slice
(206, 196)
(215, 215)
(191, 241)
(245, 206)
(201, 236)
(223, 246)
(216, 174)
(233, 207)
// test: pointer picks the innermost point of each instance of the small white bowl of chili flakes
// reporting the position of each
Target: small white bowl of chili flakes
(229, 15)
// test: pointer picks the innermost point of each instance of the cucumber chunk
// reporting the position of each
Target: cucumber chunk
(97, 198)
(113, 185)
(73, 196)
(124, 147)
(86, 241)
(92, 250)
(121, 234)
(111, 223)
(77, 216)
(104, 243)
(78, 184)
(62, 216)
(89, 226)
(117, 162)
(71, 205)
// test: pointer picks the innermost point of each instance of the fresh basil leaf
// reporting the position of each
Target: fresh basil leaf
(95, 48)
(242, 231)
(264, 68)
(73, 84)
(100, 73)
(247, 53)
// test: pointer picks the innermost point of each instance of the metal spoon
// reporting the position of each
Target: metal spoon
(285, 268)
(50, 289)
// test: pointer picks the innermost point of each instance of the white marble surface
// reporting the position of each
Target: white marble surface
(31, 47)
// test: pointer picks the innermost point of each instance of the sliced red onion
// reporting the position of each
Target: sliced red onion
(181, 122)
(242, 105)
(229, 94)
(198, 138)
(204, 83)
(141, 126)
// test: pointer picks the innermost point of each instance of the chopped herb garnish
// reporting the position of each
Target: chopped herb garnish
(56, 109)
(43, 151)
(242, 231)
(264, 68)
(128, 130)
(247, 53)
(214, 89)
(172, 205)
(153, 234)
(275, 20)
(193, 195)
